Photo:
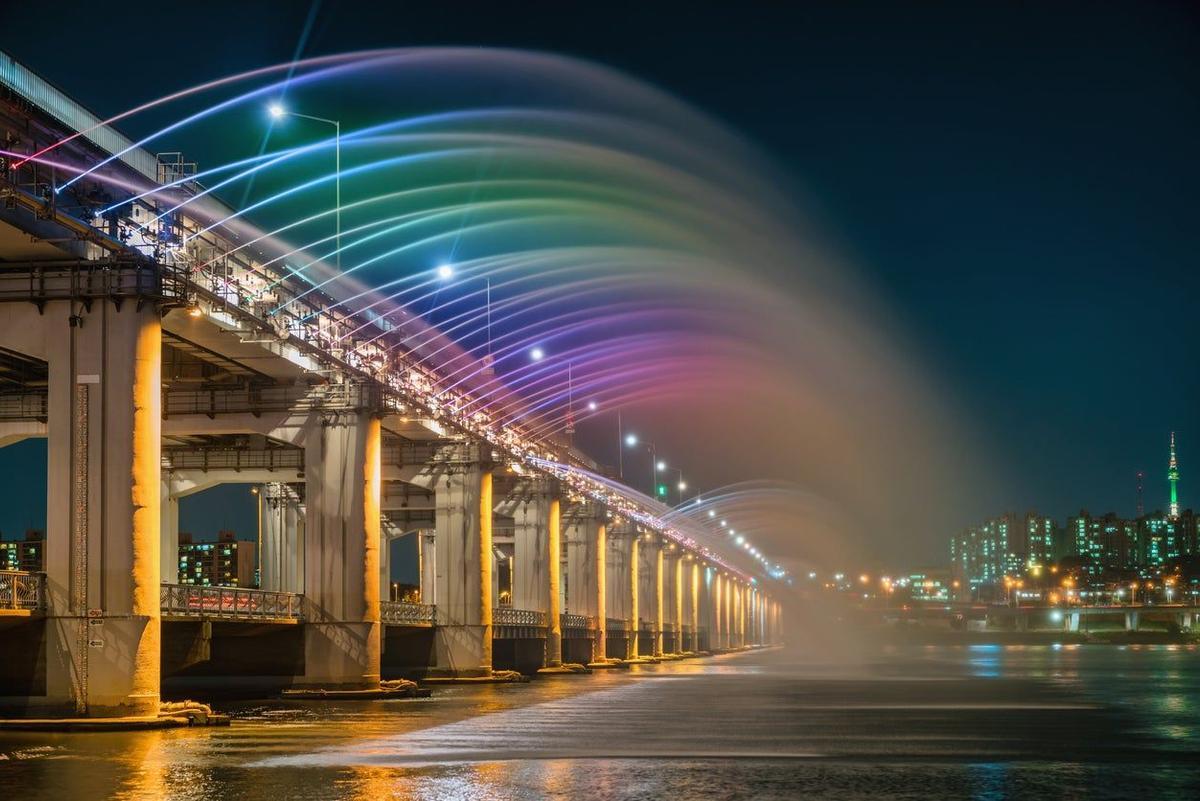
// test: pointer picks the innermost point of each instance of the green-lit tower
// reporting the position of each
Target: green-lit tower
(1173, 480)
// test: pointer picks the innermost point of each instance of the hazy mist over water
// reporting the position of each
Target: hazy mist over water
(923, 722)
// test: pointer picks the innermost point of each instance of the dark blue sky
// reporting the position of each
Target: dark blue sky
(1018, 180)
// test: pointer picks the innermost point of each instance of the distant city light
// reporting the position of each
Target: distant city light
(682, 485)
(537, 354)
(276, 110)
(741, 540)
(631, 440)
(661, 466)
(445, 272)
(711, 513)
(592, 406)
(723, 524)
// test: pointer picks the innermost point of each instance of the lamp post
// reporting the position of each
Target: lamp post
(278, 112)
(445, 272)
(633, 441)
(680, 486)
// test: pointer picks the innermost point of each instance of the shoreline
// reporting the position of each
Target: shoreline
(1116, 637)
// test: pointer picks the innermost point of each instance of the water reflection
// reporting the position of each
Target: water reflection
(937, 723)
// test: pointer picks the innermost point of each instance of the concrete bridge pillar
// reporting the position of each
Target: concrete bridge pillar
(752, 616)
(651, 589)
(728, 635)
(534, 507)
(282, 568)
(677, 595)
(427, 559)
(462, 562)
(103, 506)
(586, 540)
(717, 632)
(625, 550)
(168, 531)
(739, 630)
(1132, 620)
(341, 553)
(618, 572)
(691, 598)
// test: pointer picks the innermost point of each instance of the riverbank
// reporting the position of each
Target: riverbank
(928, 635)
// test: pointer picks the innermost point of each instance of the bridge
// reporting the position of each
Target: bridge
(138, 343)
(1072, 618)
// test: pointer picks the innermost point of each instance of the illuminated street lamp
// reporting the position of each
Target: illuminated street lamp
(633, 441)
(278, 112)
(445, 272)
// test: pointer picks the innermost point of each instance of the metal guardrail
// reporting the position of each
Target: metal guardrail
(615, 624)
(507, 616)
(117, 279)
(567, 621)
(232, 459)
(399, 613)
(256, 399)
(22, 590)
(27, 404)
(230, 603)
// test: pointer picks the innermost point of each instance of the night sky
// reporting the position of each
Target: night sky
(1018, 181)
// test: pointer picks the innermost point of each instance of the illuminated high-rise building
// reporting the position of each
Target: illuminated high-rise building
(1173, 480)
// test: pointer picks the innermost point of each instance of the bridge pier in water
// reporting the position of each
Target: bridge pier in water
(585, 538)
(101, 627)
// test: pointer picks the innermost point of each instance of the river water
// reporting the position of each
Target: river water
(983, 722)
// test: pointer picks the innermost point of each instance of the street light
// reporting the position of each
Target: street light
(445, 272)
(633, 441)
(278, 112)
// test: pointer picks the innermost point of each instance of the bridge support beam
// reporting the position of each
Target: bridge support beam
(676, 574)
(586, 539)
(537, 565)
(462, 560)
(651, 550)
(168, 532)
(341, 553)
(623, 583)
(282, 568)
(693, 604)
(716, 632)
(103, 502)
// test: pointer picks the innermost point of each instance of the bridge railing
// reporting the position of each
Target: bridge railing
(507, 616)
(615, 624)
(231, 603)
(400, 613)
(22, 590)
(581, 622)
